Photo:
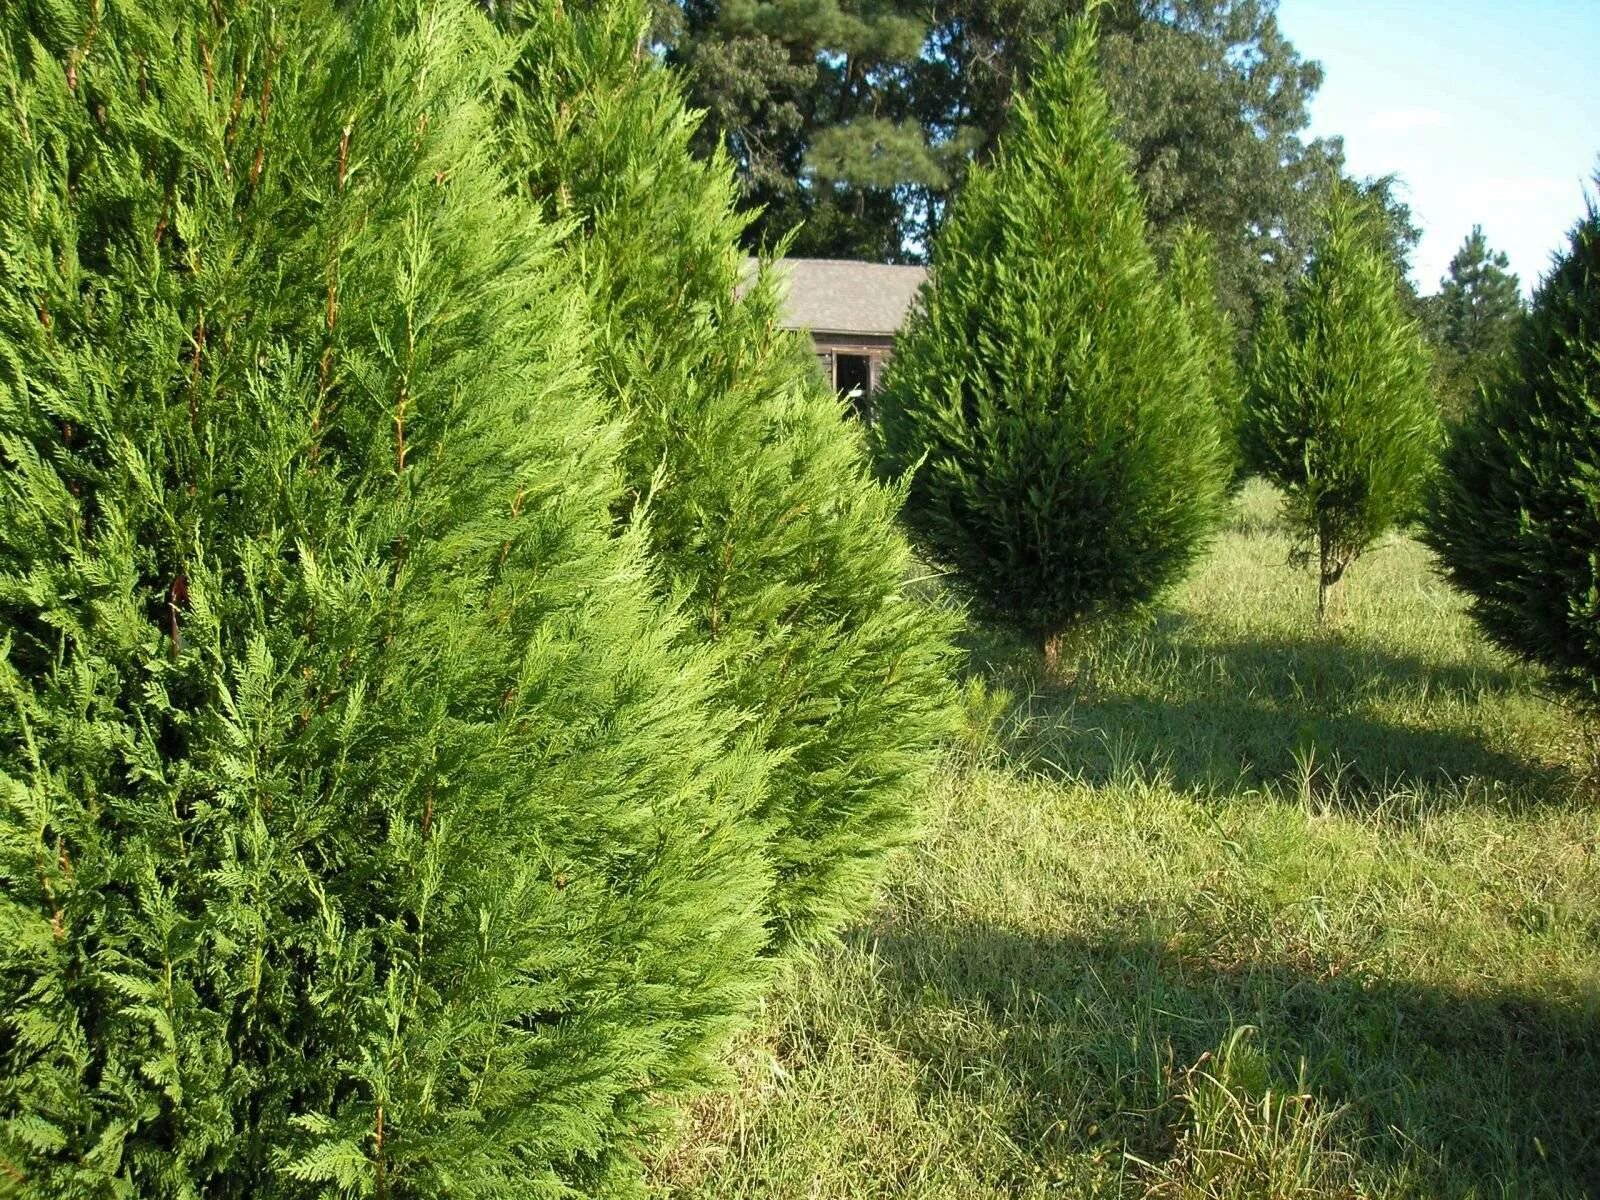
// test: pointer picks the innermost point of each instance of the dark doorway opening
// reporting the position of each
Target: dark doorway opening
(852, 375)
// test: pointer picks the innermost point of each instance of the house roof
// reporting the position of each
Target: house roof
(827, 295)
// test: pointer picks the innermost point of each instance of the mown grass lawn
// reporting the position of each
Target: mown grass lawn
(1242, 910)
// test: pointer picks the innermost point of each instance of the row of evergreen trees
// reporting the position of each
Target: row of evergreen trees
(1070, 427)
(450, 644)
(1072, 417)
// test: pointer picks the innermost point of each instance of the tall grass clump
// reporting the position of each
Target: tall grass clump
(1049, 400)
(1515, 518)
(1339, 414)
(362, 832)
(761, 509)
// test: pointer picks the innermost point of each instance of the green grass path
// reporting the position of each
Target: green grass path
(1243, 911)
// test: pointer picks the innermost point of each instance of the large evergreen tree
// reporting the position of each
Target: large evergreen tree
(1515, 517)
(1338, 414)
(361, 832)
(1049, 397)
(760, 504)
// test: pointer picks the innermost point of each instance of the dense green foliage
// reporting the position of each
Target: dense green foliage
(1192, 275)
(761, 508)
(1048, 397)
(1472, 320)
(1338, 414)
(361, 831)
(1515, 517)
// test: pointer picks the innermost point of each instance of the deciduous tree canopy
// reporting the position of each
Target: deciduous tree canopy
(860, 119)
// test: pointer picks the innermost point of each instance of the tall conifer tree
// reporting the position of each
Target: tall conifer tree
(1515, 518)
(361, 832)
(1049, 398)
(759, 501)
(1339, 415)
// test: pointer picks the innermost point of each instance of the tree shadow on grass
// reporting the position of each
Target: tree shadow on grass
(1336, 718)
(1101, 1042)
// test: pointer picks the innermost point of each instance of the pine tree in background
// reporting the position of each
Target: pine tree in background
(1515, 517)
(1473, 320)
(759, 503)
(1192, 275)
(361, 832)
(1049, 398)
(1339, 415)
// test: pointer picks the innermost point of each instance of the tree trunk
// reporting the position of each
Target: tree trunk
(1330, 588)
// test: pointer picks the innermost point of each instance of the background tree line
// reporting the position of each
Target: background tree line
(851, 123)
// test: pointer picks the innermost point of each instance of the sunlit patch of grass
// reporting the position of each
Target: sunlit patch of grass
(1241, 909)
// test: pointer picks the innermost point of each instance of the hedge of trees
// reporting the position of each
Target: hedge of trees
(395, 799)
(452, 643)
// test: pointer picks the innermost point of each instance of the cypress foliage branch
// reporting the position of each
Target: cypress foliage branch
(362, 830)
(1192, 275)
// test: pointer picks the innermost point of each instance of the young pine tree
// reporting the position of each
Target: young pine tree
(760, 506)
(1339, 415)
(1192, 275)
(1515, 514)
(361, 832)
(1474, 317)
(1049, 399)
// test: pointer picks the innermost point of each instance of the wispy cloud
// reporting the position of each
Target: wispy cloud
(1405, 120)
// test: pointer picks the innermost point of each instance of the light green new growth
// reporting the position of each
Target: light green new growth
(361, 831)
(759, 504)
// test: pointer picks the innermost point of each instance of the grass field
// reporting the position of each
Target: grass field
(1240, 911)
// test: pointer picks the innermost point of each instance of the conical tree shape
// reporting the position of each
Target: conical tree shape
(759, 502)
(1192, 275)
(1515, 517)
(1339, 414)
(361, 832)
(1048, 397)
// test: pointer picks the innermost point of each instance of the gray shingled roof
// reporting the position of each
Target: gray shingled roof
(829, 295)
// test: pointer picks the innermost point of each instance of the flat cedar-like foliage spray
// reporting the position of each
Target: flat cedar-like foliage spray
(1339, 414)
(1049, 399)
(1515, 515)
(761, 508)
(362, 832)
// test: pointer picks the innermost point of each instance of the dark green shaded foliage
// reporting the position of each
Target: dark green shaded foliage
(1515, 517)
(361, 834)
(1339, 414)
(1048, 398)
(1192, 275)
(760, 505)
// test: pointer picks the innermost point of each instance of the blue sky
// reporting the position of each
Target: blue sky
(1489, 112)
